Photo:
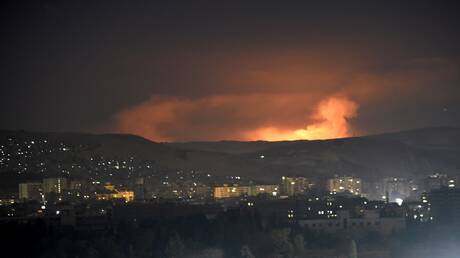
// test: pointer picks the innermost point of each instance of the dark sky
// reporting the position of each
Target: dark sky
(209, 70)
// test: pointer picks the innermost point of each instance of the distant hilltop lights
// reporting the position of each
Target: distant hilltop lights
(33, 154)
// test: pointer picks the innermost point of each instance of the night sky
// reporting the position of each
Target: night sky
(197, 70)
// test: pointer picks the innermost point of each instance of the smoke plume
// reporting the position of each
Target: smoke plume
(270, 117)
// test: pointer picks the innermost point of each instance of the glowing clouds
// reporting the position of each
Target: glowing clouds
(286, 94)
(331, 121)
(333, 115)
(269, 117)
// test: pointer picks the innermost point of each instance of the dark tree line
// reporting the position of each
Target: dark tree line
(229, 235)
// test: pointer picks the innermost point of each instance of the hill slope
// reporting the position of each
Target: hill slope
(409, 153)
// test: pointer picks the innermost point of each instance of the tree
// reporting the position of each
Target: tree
(175, 247)
(353, 252)
(299, 244)
(212, 253)
(246, 252)
(281, 242)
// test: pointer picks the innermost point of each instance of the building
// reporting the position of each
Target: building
(203, 191)
(342, 184)
(397, 189)
(435, 181)
(140, 211)
(55, 185)
(126, 196)
(291, 186)
(371, 221)
(7, 199)
(109, 186)
(444, 205)
(30, 191)
(234, 191)
(272, 190)
(79, 185)
(285, 208)
(417, 211)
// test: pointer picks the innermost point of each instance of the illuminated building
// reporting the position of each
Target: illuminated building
(30, 191)
(345, 184)
(294, 185)
(272, 190)
(109, 187)
(54, 185)
(103, 196)
(435, 181)
(127, 196)
(226, 191)
(418, 211)
(396, 188)
(7, 200)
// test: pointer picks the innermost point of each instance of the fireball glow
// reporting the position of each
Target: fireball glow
(331, 122)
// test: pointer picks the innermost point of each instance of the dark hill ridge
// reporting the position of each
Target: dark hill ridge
(232, 147)
(408, 153)
(442, 136)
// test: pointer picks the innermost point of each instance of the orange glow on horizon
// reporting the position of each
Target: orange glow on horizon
(240, 117)
(332, 122)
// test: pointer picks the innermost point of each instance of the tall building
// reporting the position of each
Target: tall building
(54, 185)
(226, 191)
(345, 184)
(30, 191)
(396, 188)
(294, 185)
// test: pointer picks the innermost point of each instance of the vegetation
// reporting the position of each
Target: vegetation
(230, 235)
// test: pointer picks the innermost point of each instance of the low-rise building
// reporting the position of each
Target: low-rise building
(233, 191)
(127, 196)
(370, 221)
(272, 190)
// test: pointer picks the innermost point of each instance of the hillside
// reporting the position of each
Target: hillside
(408, 153)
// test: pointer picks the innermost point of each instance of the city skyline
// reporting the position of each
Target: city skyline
(230, 129)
